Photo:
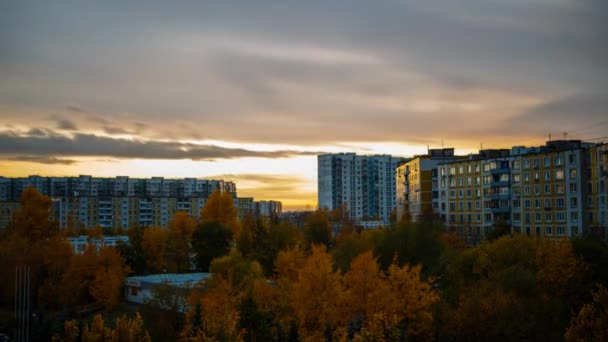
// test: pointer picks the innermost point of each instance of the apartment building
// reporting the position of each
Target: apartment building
(552, 191)
(365, 185)
(416, 183)
(86, 201)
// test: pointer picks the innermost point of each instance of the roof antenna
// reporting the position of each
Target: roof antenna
(565, 135)
(549, 137)
(480, 146)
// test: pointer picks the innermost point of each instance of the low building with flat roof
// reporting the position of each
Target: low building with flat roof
(138, 289)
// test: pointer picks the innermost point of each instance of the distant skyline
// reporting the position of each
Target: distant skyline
(251, 91)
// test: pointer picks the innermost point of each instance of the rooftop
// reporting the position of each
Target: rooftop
(175, 279)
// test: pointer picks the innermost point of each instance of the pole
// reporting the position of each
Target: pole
(27, 324)
(17, 302)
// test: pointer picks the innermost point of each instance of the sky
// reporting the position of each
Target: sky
(252, 91)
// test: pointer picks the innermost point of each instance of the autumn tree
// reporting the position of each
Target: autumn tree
(317, 294)
(154, 245)
(220, 208)
(238, 270)
(411, 298)
(32, 219)
(125, 329)
(365, 287)
(179, 246)
(217, 310)
(591, 322)
(94, 276)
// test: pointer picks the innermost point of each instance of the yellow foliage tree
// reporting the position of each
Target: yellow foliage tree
(179, 248)
(220, 208)
(411, 299)
(365, 287)
(591, 322)
(219, 317)
(32, 220)
(154, 245)
(125, 330)
(317, 295)
(94, 275)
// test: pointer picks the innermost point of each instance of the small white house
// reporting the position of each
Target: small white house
(139, 288)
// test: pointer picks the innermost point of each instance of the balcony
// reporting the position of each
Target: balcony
(500, 196)
(500, 210)
(498, 184)
(500, 170)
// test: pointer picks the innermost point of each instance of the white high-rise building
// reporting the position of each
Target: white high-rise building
(365, 185)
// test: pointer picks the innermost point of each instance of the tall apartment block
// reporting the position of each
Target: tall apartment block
(112, 202)
(365, 185)
(416, 183)
(557, 190)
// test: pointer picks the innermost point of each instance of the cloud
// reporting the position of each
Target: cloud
(290, 189)
(75, 108)
(43, 160)
(66, 124)
(115, 130)
(305, 72)
(37, 142)
(580, 115)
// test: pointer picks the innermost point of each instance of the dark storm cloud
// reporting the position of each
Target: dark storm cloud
(305, 72)
(85, 145)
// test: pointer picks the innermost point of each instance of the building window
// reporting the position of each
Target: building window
(548, 217)
(572, 173)
(574, 216)
(547, 189)
(549, 231)
(560, 231)
(559, 174)
(547, 162)
(516, 203)
(537, 217)
(558, 160)
(516, 165)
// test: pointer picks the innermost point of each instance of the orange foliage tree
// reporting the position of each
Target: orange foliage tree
(154, 245)
(179, 244)
(220, 208)
(317, 295)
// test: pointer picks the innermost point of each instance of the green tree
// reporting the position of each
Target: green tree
(210, 240)
(317, 229)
